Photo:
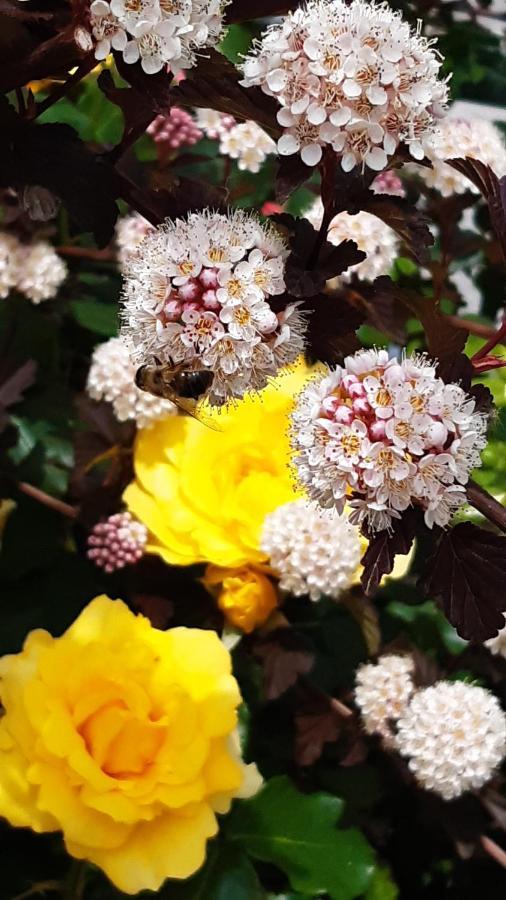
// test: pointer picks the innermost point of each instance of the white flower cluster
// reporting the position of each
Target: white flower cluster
(111, 378)
(130, 232)
(370, 234)
(353, 76)
(454, 735)
(497, 644)
(313, 552)
(246, 141)
(157, 32)
(458, 138)
(383, 691)
(392, 434)
(198, 293)
(34, 270)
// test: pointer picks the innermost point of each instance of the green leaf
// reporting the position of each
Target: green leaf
(98, 317)
(382, 887)
(227, 875)
(298, 833)
(427, 626)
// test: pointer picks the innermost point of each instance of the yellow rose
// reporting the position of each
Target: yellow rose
(122, 737)
(246, 596)
(204, 494)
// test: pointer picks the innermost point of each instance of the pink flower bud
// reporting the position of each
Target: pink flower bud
(356, 389)
(361, 407)
(210, 300)
(173, 309)
(209, 278)
(190, 291)
(349, 380)
(344, 415)
(377, 430)
(437, 434)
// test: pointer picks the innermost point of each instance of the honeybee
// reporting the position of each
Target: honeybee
(183, 383)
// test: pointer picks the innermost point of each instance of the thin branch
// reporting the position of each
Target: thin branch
(82, 70)
(497, 338)
(339, 707)
(493, 850)
(87, 253)
(477, 328)
(40, 888)
(487, 505)
(51, 502)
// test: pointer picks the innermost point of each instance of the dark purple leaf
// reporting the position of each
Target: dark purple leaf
(493, 190)
(456, 368)
(15, 10)
(58, 54)
(215, 84)
(443, 338)
(310, 266)
(467, 575)
(332, 323)
(139, 109)
(408, 222)
(379, 558)
(315, 726)
(285, 657)
(292, 173)
(14, 386)
(53, 156)
(383, 308)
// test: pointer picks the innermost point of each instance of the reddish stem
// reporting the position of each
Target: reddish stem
(87, 253)
(494, 850)
(477, 328)
(487, 505)
(51, 502)
(496, 339)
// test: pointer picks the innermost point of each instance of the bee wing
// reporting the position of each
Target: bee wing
(194, 409)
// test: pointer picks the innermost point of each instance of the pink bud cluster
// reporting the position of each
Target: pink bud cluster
(390, 434)
(174, 130)
(118, 542)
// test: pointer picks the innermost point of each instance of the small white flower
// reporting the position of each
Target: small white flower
(106, 29)
(314, 552)
(130, 232)
(454, 735)
(382, 693)
(198, 289)
(353, 76)
(112, 378)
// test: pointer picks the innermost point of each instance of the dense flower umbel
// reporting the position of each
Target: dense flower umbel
(383, 691)
(34, 270)
(156, 32)
(130, 232)
(174, 130)
(112, 378)
(454, 735)
(204, 494)
(118, 542)
(123, 737)
(456, 138)
(312, 551)
(353, 76)
(370, 234)
(197, 291)
(390, 433)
